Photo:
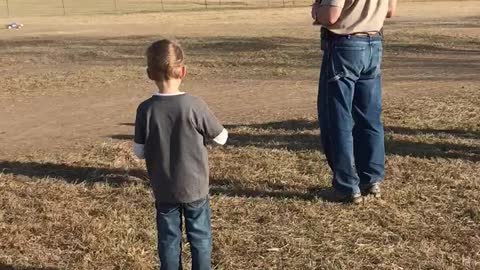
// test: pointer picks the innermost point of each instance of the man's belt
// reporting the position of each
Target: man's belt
(329, 34)
(326, 34)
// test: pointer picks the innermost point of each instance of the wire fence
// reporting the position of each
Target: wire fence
(17, 8)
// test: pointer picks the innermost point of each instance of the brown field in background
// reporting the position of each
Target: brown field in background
(15, 8)
(72, 196)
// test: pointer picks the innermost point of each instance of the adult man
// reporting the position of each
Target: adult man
(350, 93)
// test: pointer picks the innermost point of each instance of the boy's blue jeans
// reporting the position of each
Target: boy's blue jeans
(197, 224)
(350, 108)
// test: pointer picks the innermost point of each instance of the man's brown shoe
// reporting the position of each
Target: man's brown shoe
(332, 195)
(355, 198)
(374, 190)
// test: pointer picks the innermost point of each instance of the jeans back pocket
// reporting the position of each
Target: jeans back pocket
(347, 61)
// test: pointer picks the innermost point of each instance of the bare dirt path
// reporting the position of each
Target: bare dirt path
(61, 120)
(65, 122)
(256, 22)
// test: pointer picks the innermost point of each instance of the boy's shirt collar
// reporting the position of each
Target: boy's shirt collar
(169, 95)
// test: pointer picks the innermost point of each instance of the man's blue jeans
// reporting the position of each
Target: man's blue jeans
(197, 224)
(350, 108)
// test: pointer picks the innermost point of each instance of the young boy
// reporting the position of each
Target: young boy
(171, 128)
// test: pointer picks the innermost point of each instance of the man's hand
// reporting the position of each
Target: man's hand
(392, 8)
(315, 7)
(315, 10)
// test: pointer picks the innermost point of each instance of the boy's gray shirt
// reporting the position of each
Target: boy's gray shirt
(174, 130)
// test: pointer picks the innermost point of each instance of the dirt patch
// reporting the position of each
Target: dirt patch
(76, 90)
(73, 197)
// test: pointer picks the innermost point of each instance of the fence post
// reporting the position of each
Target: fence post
(163, 7)
(115, 5)
(206, 4)
(63, 6)
(8, 8)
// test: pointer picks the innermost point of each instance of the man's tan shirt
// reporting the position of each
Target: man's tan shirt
(358, 15)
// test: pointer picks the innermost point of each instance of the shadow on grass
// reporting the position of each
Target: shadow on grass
(292, 125)
(303, 124)
(230, 188)
(280, 136)
(274, 139)
(309, 141)
(278, 191)
(118, 177)
(465, 22)
(122, 137)
(436, 132)
(11, 267)
(248, 53)
(73, 174)
(305, 142)
(127, 124)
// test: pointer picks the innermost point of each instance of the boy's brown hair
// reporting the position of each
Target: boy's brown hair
(165, 60)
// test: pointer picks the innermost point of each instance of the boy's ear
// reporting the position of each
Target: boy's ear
(150, 75)
(184, 72)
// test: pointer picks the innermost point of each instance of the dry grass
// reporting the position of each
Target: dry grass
(92, 208)
(9, 8)
(266, 214)
(73, 64)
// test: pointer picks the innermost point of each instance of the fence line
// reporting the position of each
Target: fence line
(63, 6)
(8, 8)
(13, 8)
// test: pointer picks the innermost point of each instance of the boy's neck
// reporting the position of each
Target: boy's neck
(169, 87)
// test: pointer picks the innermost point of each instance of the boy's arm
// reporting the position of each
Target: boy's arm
(208, 125)
(139, 150)
(140, 135)
(392, 8)
(222, 138)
